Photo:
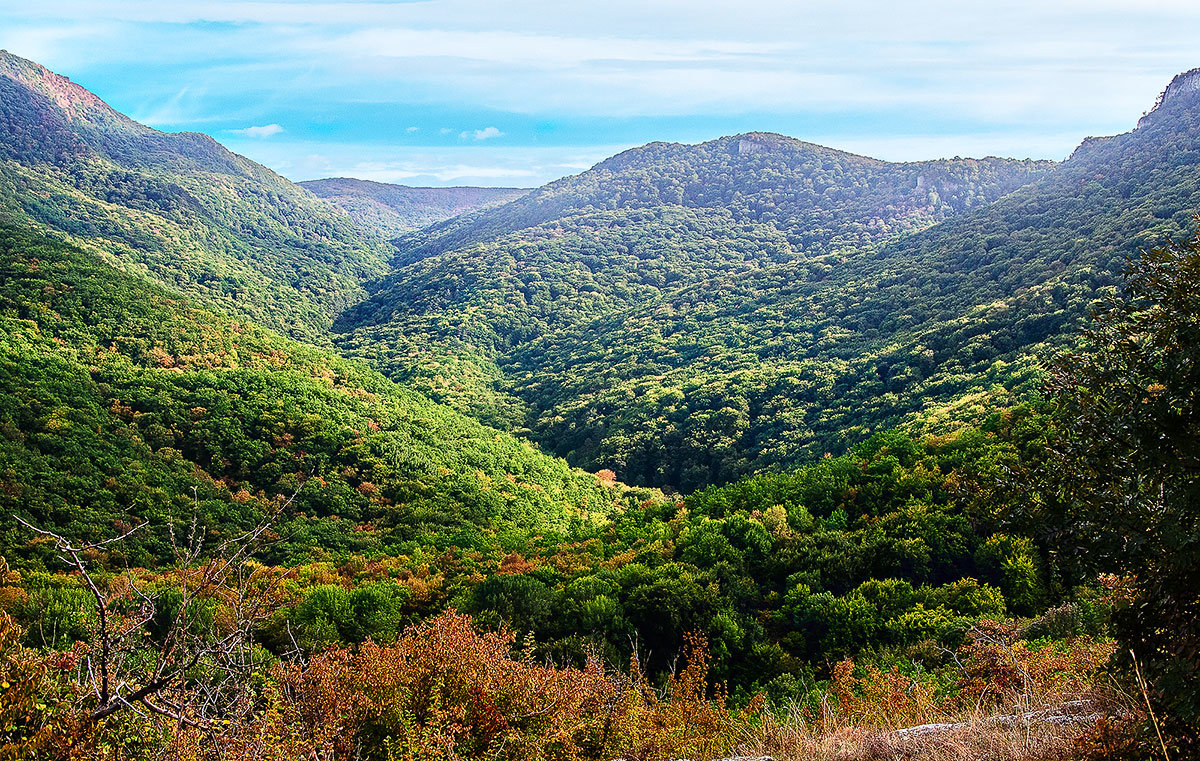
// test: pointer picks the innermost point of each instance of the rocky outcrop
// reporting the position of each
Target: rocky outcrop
(1182, 85)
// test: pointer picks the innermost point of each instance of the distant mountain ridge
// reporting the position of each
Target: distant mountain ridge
(633, 229)
(759, 177)
(397, 209)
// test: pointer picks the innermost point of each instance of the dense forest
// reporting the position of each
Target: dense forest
(122, 400)
(683, 341)
(638, 231)
(868, 446)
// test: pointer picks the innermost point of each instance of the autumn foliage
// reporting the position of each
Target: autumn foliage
(443, 691)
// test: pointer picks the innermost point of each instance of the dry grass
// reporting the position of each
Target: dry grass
(1009, 702)
(975, 737)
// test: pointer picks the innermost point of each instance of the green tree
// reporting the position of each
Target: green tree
(1127, 477)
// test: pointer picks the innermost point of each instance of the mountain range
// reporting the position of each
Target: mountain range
(679, 314)
(766, 405)
(398, 209)
(684, 315)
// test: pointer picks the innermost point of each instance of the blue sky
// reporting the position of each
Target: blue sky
(495, 92)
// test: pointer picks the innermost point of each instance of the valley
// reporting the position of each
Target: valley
(743, 445)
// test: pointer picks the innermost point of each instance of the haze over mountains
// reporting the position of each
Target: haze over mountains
(396, 209)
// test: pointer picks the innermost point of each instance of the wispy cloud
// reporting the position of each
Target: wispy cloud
(169, 112)
(1024, 77)
(487, 133)
(264, 131)
(543, 51)
(461, 164)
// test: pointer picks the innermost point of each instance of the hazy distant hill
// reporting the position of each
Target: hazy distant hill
(685, 314)
(821, 199)
(397, 209)
(178, 207)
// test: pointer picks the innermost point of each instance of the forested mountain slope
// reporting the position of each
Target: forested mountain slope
(122, 402)
(397, 209)
(682, 345)
(822, 199)
(646, 224)
(178, 207)
(788, 363)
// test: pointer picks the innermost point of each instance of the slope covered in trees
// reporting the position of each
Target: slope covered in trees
(397, 209)
(178, 207)
(685, 333)
(914, 579)
(684, 315)
(121, 402)
(825, 200)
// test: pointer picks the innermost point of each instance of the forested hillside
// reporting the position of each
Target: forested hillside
(218, 542)
(396, 209)
(177, 207)
(824, 199)
(122, 402)
(630, 233)
(684, 315)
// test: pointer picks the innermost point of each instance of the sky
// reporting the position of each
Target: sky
(520, 92)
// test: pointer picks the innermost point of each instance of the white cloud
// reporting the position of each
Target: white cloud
(487, 133)
(265, 131)
(543, 51)
(465, 164)
(897, 80)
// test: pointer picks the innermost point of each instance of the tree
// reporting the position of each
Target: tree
(1126, 471)
(162, 649)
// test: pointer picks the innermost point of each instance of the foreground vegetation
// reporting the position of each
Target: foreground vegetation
(444, 690)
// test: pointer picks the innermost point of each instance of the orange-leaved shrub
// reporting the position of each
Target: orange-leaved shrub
(878, 698)
(447, 691)
(1000, 668)
(34, 703)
